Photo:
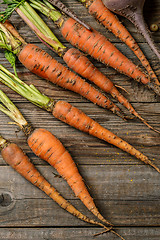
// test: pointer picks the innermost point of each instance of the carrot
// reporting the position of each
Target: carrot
(96, 45)
(73, 116)
(78, 61)
(41, 63)
(111, 22)
(65, 112)
(15, 157)
(45, 145)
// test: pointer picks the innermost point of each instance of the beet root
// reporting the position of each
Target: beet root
(133, 10)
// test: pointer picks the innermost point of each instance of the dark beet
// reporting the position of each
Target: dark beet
(133, 10)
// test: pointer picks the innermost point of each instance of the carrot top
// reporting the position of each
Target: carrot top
(35, 22)
(3, 142)
(29, 92)
(13, 112)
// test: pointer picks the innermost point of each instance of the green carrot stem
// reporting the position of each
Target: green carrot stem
(29, 92)
(8, 41)
(47, 9)
(32, 15)
(3, 142)
(84, 1)
(11, 110)
(29, 15)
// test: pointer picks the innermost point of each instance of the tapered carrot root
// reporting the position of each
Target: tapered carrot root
(76, 118)
(111, 22)
(42, 64)
(16, 158)
(77, 61)
(49, 148)
(96, 45)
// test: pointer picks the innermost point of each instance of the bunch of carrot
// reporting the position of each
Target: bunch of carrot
(73, 57)
(42, 142)
(45, 145)
(96, 45)
(111, 22)
(42, 64)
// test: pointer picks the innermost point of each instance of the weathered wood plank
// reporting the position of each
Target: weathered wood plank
(152, 233)
(122, 193)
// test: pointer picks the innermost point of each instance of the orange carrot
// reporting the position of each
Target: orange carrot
(111, 22)
(16, 158)
(96, 45)
(49, 148)
(42, 64)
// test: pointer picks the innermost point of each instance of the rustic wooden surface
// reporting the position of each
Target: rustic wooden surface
(126, 191)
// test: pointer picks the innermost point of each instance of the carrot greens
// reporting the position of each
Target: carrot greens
(29, 92)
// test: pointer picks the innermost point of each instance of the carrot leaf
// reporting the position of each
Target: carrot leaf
(2, 142)
(12, 5)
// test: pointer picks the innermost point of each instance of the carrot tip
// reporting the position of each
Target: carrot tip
(107, 230)
(97, 234)
(147, 124)
(154, 87)
(153, 165)
(121, 115)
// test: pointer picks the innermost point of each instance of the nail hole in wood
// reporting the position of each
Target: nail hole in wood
(5, 200)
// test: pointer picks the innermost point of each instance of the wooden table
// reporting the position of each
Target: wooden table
(126, 191)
